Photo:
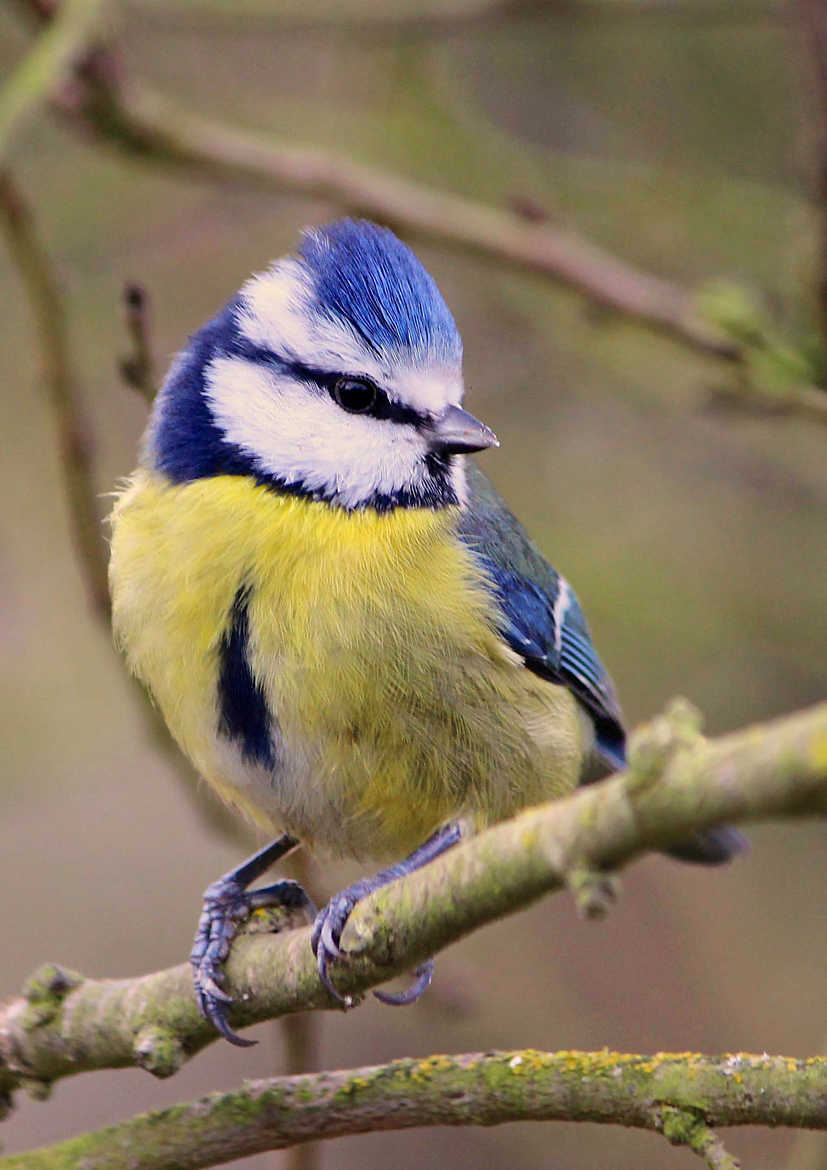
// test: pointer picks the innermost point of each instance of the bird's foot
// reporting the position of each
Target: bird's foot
(227, 905)
(329, 924)
(423, 974)
(326, 944)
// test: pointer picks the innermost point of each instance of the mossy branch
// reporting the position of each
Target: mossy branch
(679, 1096)
(677, 782)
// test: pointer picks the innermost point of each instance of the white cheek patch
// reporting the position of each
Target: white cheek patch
(298, 434)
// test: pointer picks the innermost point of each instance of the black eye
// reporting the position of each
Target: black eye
(356, 395)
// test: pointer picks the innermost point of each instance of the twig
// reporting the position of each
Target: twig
(688, 1125)
(46, 65)
(142, 122)
(73, 433)
(678, 782)
(813, 19)
(713, 1151)
(472, 1089)
(137, 367)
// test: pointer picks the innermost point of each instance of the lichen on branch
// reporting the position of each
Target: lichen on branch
(677, 1095)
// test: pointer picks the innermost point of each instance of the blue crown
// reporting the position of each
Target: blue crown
(366, 278)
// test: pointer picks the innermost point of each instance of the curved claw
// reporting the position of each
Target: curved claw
(209, 989)
(327, 942)
(214, 1005)
(424, 974)
(330, 922)
(216, 1013)
(327, 931)
(321, 966)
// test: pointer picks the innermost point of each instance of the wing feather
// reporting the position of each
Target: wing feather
(542, 620)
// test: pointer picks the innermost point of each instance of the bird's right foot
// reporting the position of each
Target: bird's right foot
(227, 904)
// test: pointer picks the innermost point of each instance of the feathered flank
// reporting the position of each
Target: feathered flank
(541, 618)
(542, 621)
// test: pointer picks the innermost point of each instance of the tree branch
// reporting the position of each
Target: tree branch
(813, 21)
(677, 782)
(46, 65)
(73, 433)
(137, 367)
(679, 1096)
(143, 123)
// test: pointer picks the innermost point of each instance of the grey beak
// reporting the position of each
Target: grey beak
(456, 432)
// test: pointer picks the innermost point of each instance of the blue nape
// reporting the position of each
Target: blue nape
(184, 441)
(366, 278)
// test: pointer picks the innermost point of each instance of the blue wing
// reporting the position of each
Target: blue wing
(541, 620)
(541, 617)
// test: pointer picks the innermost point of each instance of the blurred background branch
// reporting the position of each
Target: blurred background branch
(679, 1096)
(76, 447)
(73, 434)
(138, 120)
(137, 367)
(46, 65)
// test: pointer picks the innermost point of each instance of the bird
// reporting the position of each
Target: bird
(348, 633)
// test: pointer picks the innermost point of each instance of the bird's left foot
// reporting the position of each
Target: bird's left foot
(326, 940)
(330, 922)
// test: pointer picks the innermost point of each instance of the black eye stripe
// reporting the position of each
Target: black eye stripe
(384, 407)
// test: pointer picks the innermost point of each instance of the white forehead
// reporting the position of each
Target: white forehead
(277, 312)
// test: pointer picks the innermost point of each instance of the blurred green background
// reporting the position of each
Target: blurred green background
(679, 136)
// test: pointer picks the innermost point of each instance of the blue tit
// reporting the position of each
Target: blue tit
(347, 632)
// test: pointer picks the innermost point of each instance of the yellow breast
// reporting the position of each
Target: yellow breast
(395, 705)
